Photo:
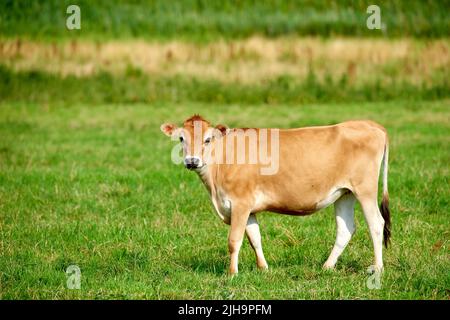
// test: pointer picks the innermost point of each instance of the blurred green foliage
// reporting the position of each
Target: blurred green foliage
(41, 87)
(205, 20)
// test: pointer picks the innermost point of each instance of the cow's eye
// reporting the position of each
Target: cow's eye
(208, 140)
(181, 139)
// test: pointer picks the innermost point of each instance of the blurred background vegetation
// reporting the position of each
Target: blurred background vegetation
(208, 19)
(223, 51)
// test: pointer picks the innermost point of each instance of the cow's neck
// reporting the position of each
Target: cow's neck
(206, 174)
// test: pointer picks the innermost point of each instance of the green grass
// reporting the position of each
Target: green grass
(86, 176)
(136, 87)
(204, 20)
(93, 185)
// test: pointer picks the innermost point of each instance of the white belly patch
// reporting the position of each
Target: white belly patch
(223, 207)
(331, 198)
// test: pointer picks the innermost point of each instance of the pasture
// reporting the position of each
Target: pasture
(94, 186)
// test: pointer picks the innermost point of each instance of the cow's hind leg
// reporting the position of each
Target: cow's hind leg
(345, 227)
(254, 236)
(375, 223)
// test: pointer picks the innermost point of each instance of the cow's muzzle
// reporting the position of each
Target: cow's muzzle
(191, 163)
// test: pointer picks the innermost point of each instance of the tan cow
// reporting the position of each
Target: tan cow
(317, 166)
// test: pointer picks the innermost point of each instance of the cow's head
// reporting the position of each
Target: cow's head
(196, 136)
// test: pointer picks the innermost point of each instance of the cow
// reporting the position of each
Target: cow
(318, 166)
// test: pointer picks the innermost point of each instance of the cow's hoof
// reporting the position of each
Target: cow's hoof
(374, 269)
(262, 265)
(232, 274)
(327, 266)
(263, 268)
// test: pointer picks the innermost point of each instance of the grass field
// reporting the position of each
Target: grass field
(93, 185)
(85, 173)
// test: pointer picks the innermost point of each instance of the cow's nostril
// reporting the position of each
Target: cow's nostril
(192, 163)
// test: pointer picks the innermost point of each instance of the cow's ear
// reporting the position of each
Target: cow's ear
(221, 129)
(168, 129)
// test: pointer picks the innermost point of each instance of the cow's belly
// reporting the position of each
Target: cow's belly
(298, 204)
(285, 203)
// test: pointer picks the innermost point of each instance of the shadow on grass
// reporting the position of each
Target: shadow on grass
(216, 262)
(351, 266)
(209, 262)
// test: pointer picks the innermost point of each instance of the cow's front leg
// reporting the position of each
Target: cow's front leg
(254, 236)
(239, 218)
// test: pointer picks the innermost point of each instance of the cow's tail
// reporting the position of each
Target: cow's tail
(384, 206)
